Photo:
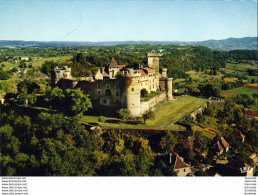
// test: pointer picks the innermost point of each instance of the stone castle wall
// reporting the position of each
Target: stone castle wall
(154, 101)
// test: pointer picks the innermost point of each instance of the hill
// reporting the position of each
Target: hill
(246, 43)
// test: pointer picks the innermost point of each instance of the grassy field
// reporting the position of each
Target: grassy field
(232, 80)
(253, 77)
(165, 115)
(201, 76)
(240, 66)
(240, 90)
(36, 61)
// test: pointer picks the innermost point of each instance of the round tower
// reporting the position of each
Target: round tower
(133, 97)
(169, 88)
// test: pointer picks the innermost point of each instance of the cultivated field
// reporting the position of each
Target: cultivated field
(36, 61)
(247, 89)
(209, 132)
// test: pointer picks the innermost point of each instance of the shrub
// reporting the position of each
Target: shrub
(102, 119)
(144, 93)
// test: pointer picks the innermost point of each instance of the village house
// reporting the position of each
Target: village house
(251, 114)
(221, 146)
(180, 167)
(25, 58)
(119, 86)
(234, 168)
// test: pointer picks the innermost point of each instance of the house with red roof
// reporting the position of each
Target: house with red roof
(180, 167)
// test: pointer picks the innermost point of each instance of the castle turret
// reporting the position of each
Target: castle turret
(60, 73)
(169, 89)
(164, 72)
(132, 93)
(153, 60)
(113, 68)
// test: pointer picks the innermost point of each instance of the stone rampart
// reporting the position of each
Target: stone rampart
(152, 102)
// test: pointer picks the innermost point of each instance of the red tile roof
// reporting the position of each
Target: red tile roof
(219, 146)
(225, 144)
(251, 113)
(179, 163)
(113, 64)
(143, 74)
(102, 70)
(121, 67)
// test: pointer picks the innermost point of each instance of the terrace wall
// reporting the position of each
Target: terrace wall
(152, 102)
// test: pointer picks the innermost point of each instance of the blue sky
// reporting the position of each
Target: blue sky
(154, 20)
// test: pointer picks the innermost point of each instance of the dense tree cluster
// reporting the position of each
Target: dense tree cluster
(39, 143)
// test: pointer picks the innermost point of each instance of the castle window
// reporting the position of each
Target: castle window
(98, 85)
(107, 86)
(98, 92)
(184, 170)
(108, 92)
(132, 89)
(104, 101)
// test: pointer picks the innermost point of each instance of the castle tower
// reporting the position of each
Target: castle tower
(169, 88)
(113, 68)
(153, 60)
(133, 94)
(164, 72)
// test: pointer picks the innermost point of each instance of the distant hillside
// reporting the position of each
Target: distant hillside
(246, 43)
(231, 43)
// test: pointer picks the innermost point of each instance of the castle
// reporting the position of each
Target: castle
(119, 86)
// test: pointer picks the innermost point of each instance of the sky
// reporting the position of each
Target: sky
(131, 20)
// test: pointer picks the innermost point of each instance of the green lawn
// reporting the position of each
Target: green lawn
(165, 115)
(150, 95)
(241, 90)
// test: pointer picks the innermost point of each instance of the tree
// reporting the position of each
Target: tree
(47, 66)
(76, 102)
(149, 115)
(201, 142)
(144, 93)
(168, 141)
(124, 114)
(101, 119)
(22, 64)
(4, 75)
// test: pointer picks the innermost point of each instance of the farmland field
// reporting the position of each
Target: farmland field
(240, 90)
(36, 61)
